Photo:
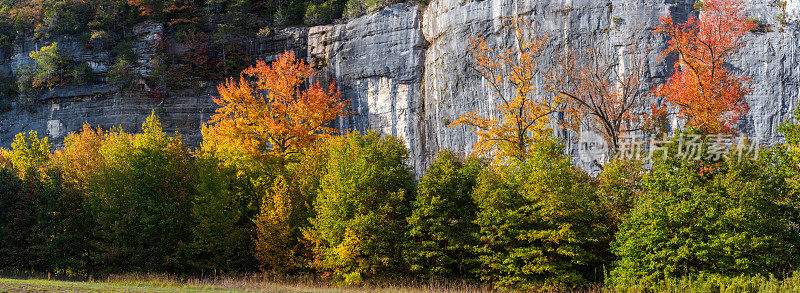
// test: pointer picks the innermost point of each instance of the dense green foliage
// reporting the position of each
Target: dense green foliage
(619, 186)
(286, 210)
(141, 182)
(224, 230)
(43, 225)
(441, 229)
(273, 187)
(361, 209)
(711, 218)
(109, 201)
(541, 224)
(787, 156)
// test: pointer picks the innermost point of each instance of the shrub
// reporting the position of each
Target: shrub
(541, 225)
(8, 37)
(290, 13)
(52, 68)
(8, 90)
(100, 40)
(82, 74)
(323, 13)
(708, 218)
(362, 207)
(63, 18)
(441, 230)
(788, 154)
(122, 74)
(619, 186)
(358, 8)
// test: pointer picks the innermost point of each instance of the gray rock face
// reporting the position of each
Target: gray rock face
(378, 60)
(770, 59)
(66, 109)
(182, 112)
(407, 72)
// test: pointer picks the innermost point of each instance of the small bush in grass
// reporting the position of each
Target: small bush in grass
(362, 207)
(541, 224)
(441, 230)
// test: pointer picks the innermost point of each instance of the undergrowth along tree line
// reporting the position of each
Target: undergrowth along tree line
(274, 187)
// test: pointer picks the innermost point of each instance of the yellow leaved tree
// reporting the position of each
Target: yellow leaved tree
(522, 115)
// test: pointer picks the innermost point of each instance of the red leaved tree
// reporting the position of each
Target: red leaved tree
(707, 93)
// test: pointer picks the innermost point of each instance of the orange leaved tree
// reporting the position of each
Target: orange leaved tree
(523, 116)
(708, 94)
(265, 129)
(275, 109)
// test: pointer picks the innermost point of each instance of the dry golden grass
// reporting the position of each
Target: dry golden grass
(282, 283)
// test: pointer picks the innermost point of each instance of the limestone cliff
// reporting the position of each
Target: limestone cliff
(407, 72)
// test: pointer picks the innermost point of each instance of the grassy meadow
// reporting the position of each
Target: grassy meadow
(255, 283)
(291, 284)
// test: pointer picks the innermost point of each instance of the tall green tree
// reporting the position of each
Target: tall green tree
(11, 209)
(541, 224)
(61, 235)
(362, 207)
(441, 230)
(222, 211)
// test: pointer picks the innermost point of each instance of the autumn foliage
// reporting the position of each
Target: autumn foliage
(707, 92)
(274, 107)
(603, 89)
(523, 116)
